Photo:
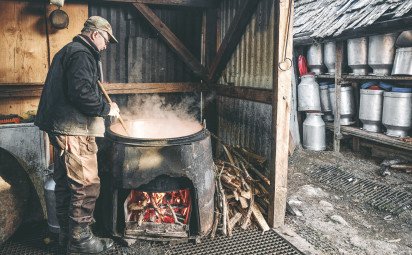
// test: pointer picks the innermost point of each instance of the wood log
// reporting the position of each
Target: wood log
(246, 194)
(243, 202)
(233, 221)
(216, 215)
(259, 218)
(224, 207)
(246, 218)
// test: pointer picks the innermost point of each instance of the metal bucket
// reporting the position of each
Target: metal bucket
(308, 94)
(315, 58)
(358, 55)
(50, 198)
(314, 132)
(397, 113)
(347, 105)
(381, 53)
(325, 103)
(403, 62)
(370, 109)
(329, 56)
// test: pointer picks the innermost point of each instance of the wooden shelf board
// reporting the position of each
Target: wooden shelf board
(325, 76)
(376, 137)
(375, 77)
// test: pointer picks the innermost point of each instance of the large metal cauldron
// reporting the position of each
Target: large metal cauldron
(136, 161)
(370, 109)
(403, 62)
(397, 113)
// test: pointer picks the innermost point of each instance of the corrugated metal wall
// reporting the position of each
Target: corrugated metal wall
(242, 122)
(251, 63)
(141, 56)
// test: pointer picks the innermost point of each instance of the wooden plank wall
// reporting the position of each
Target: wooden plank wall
(24, 52)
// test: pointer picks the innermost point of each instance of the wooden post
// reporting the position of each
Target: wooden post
(338, 79)
(280, 113)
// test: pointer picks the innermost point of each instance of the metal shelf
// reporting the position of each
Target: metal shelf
(376, 137)
(376, 77)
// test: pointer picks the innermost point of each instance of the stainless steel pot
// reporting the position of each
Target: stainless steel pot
(397, 113)
(308, 94)
(329, 56)
(381, 53)
(370, 109)
(358, 55)
(314, 132)
(325, 103)
(347, 105)
(315, 58)
(403, 62)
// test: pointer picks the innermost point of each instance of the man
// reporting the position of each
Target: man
(70, 111)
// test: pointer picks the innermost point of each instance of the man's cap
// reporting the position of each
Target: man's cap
(97, 22)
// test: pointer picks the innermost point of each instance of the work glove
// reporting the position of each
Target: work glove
(114, 110)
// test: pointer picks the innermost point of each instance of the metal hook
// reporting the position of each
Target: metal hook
(287, 62)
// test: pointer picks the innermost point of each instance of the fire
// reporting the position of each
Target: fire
(161, 207)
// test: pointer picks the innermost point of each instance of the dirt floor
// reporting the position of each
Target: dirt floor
(328, 221)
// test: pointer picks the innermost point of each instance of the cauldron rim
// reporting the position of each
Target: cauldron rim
(135, 141)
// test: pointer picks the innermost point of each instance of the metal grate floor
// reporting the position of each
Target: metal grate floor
(242, 242)
(30, 240)
(377, 195)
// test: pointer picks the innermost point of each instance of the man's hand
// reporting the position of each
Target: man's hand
(114, 110)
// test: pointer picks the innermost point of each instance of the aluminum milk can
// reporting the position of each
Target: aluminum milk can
(329, 55)
(381, 53)
(308, 94)
(397, 113)
(347, 105)
(358, 55)
(370, 109)
(315, 58)
(314, 132)
(50, 198)
(325, 103)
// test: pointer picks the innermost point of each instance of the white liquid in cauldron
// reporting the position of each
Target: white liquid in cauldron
(157, 128)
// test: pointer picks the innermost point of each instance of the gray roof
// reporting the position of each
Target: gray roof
(329, 18)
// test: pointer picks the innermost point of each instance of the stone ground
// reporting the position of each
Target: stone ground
(330, 222)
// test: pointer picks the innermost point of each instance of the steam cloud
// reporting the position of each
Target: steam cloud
(156, 107)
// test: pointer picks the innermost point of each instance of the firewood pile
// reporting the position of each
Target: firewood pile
(241, 197)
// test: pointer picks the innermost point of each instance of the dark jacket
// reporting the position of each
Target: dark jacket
(71, 103)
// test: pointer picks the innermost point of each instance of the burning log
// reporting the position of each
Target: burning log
(174, 215)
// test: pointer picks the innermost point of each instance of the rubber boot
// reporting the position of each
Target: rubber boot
(82, 241)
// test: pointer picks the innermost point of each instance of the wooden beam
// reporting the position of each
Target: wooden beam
(144, 88)
(246, 93)
(338, 79)
(18, 90)
(34, 90)
(282, 80)
(232, 38)
(171, 39)
(188, 3)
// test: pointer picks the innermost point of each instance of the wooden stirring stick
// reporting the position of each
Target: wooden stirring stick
(110, 101)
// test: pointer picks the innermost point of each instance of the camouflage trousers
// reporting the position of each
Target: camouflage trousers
(76, 176)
